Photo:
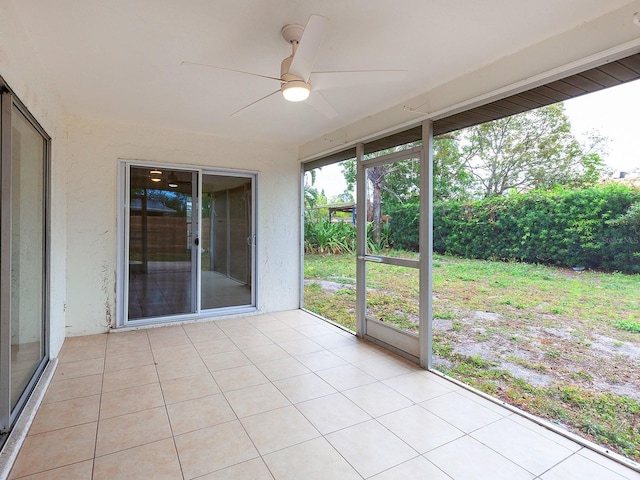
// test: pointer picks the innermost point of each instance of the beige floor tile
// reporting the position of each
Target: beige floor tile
(256, 399)
(296, 318)
(335, 340)
(531, 451)
(128, 360)
(385, 367)
(207, 335)
(312, 460)
(545, 432)
(277, 429)
(370, 447)
(345, 377)
(304, 387)
(74, 353)
(130, 400)
(240, 330)
(77, 471)
(320, 360)
(461, 412)
(251, 341)
(157, 461)
(496, 406)
(213, 448)
(377, 399)
(87, 340)
(332, 412)
(132, 430)
(132, 377)
(421, 429)
(287, 336)
(610, 464)
(81, 368)
(66, 413)
(283, 368)
(130, 345)
(166, 330)
(301, 346)
(251, 470)
(174, 354)
(54, 449)
(358, 352)
(163, 341)
(265, 353)
(417, 468)
(199, 413)
(203, 329)
(232, 324)
(579, 467)
(222, 361)
(213, 347)
(120, 336)
(239, 377)
(467, 458)
(184, 368)
(188, 388)
(270, 325)
(73, 388)
(314, 330)
(416, 387)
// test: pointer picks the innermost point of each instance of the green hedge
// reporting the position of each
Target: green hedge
(596, 227)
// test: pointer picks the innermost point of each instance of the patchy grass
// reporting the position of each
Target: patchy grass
(560, 344)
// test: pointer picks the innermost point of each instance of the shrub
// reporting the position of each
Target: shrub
(596, 227)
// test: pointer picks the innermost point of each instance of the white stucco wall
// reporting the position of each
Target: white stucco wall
(95, 148)
(20, 68)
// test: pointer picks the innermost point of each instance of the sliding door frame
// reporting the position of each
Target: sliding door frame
(9, 101)
(122, 273)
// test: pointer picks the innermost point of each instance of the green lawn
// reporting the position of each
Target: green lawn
(563, 345)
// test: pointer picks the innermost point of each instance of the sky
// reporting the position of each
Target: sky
(613, 113)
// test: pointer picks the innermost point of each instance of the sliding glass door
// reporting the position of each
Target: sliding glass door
(189, 242)
(23, 265)
(161, 241)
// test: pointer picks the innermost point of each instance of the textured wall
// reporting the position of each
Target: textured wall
(94, 151)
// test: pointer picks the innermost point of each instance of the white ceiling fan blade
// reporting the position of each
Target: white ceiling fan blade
(253, 103)
(326, 80)
(317, 101)
(309, 46)
(195, 64)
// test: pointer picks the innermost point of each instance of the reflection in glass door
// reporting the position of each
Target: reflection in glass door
(23, 346)
(162, 234)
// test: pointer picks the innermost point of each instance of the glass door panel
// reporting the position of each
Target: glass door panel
(391, 265)
(28, 154)
(161, 237)
(227, 241)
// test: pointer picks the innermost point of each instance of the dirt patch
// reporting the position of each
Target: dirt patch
(607, 361)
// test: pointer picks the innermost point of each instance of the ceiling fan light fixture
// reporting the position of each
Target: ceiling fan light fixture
(295, 90)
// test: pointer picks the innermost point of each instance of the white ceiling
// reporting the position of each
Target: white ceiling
(121, 60)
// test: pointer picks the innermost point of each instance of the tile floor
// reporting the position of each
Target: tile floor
(277, 396)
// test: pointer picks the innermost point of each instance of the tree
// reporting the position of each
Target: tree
(451, 177)
(388, 184)
(399, 183)
(534, 149)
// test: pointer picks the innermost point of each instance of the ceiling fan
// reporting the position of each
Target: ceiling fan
(298, 81)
